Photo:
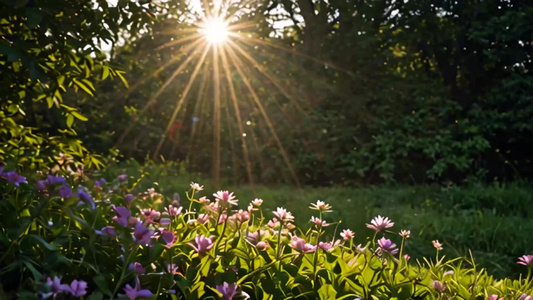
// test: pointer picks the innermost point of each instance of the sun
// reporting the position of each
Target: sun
(215, 31)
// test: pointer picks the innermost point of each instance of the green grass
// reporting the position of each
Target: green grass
(493, 221)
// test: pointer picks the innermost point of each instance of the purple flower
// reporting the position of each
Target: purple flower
(123, 215)
(41, 185)
(85, 197)
(78, 288)
(168, 237)
(142, 234)
(15, 178)
(55, 286)
(387, 246)
(129, 198)
(203, 244)
(164, 222)
(137, 268)
(99, 183)
(108, 230)
(228, 291)
(135, 292)
(65, 191)
(526, 260)
(51, 180)
(525, 296)
(122, 177)
(438, 286)
(380, 223)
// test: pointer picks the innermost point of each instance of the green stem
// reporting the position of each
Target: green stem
(124, 268)
(222, 234)
(279, 245)
(315, 260)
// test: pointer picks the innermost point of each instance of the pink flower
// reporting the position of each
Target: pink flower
(347, 234)
(173, 268)
(380, 223)
(173, 211)
(150, 215)
(241, 216)
(526, 260)
(407, 257)
(359, 248)
(437, 245)
(324, 246)
(203, 244)
(255, 237)
(228, 291)
(283, 215)
(142, 234)
(274, 223)
(299, 244)
(262, 245)
(319, 222)
(387, 246)
(169, 238)
(78, 288)
(494, 297)
(135, 292)
(226, 197)
(438, 286)
(202, 218)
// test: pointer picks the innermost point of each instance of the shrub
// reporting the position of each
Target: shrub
(73, 236)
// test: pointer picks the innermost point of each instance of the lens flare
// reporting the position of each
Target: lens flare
(215, 31)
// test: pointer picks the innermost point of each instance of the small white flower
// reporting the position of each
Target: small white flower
(196, 186)
(321, 206)
(257, 202)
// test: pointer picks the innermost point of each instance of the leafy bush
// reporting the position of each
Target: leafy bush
(80, 237)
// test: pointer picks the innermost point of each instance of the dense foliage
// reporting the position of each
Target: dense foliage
(94, 239)
(420, 92)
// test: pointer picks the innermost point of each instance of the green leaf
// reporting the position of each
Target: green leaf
(119, 74)
(105, 72)
(41, 241)
(101, 282)
(82, 86)
(79, 116)
(327, 292)
(70, 120)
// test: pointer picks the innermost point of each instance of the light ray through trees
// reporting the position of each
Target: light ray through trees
(224, 64)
